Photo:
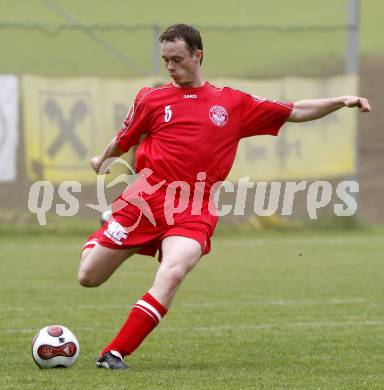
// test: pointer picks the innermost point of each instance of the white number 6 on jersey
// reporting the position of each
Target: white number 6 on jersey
(167, 113)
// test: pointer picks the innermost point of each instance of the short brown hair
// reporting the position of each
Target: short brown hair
(189, 34)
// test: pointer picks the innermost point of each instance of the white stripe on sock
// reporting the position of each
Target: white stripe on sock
(150, 308)
(146, 311)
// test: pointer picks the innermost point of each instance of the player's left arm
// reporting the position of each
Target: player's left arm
(309, 110)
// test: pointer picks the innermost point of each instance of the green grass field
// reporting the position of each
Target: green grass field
(284, 310)
(43, 49)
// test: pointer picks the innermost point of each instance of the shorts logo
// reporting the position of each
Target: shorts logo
(218, 115)
(116, 232)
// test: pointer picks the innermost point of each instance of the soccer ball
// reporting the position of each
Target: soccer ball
(55, 346)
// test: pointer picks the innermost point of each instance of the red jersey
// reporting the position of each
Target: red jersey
(187, 131)
(192, 130)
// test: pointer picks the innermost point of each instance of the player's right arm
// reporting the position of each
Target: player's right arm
(136, 124)
(111, 151)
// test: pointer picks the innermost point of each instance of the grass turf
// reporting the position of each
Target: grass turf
(282, 310)
(237, 53)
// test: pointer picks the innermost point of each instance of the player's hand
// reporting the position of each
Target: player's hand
(96, 163)
(354, 101)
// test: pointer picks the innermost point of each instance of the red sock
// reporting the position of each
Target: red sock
(144, 316)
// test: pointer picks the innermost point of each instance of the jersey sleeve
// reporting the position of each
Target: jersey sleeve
(262, 116)
(136, 123)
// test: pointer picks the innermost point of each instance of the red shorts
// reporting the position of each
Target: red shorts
(116, 234)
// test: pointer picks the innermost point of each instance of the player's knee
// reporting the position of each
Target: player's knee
(174, 276)
(86, 279)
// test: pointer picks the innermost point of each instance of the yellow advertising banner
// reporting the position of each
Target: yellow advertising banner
(321, 148)
(68, 121)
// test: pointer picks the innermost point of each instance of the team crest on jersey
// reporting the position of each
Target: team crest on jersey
(218, 115)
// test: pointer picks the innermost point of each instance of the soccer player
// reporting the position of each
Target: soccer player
(187, 133)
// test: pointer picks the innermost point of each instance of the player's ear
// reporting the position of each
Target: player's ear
(199, 55)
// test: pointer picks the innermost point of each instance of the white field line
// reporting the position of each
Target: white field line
(33, 331)
(312, 324)
(67, 308)
(301, 241)
(286, 325)
(276, 302)
(232, 328)
(273, 302)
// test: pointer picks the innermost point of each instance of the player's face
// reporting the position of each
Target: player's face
(181, 65)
